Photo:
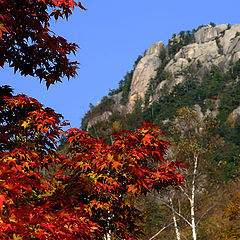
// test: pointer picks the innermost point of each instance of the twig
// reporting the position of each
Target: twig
(180, 215)
(160, 231)
(205, 213)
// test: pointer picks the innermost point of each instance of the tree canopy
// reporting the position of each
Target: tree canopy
(88, 192)
(29, 45)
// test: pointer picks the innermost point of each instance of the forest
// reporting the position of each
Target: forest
(88, 192)
(127, 178)
(209, 145)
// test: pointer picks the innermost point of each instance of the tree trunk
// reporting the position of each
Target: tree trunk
(108, 236)
(192, 201)
(174, 219)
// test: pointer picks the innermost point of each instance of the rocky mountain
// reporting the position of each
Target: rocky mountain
(144, 71)
(189, 57)
(191, 88)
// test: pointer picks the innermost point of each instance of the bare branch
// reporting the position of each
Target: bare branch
(205, 213)
(160, 231)
(184, 192)
(180, 215)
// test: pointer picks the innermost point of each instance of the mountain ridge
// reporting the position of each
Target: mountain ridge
(164, 67)
(191, 88)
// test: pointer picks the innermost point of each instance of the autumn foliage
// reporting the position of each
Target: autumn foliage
(29, 45)
(88, 193)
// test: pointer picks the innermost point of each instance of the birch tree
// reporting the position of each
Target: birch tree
(192, 143)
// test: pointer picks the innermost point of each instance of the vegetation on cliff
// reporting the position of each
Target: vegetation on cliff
(210, 95)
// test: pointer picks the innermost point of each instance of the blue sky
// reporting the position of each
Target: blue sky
(111, 34)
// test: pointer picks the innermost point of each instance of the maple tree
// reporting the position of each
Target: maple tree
(29, 45)
(27, 145)
(89, 192)
(114, 173)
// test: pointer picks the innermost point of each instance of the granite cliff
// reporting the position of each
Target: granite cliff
(162, 68)
(197, 70)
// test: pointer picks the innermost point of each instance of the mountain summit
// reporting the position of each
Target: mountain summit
(191, 88)
(184, 63)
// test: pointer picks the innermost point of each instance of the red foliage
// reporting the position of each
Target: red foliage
(91, 192)
(88, 193)
(28, 200)
(27, 43)
(107, 176)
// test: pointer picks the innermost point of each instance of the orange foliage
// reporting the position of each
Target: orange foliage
(90, 193)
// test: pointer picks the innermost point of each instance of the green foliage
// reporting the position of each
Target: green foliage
(177, 42)
(215, 85)
(132, 120)
(104, 105)
(213, 82)
(155, 216)
(236, 35)
(137, 61)
(125, 84)
(212, 24)
(124, 87)
(199, 27)
(181, 95)
(163, 56)
(220, 48)
(149, 91)
(236, 70)
(229, 100)
(199, 65)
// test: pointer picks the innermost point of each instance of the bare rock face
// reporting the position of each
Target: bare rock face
(209, 33)
(101, 118)
(212, 45)
(144, 71)
(219, 46)
(230, 40)
(236, 113)
(206, 53)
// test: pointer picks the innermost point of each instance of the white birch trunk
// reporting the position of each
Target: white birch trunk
(174, 219)
(192, 200)
(108, 236)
